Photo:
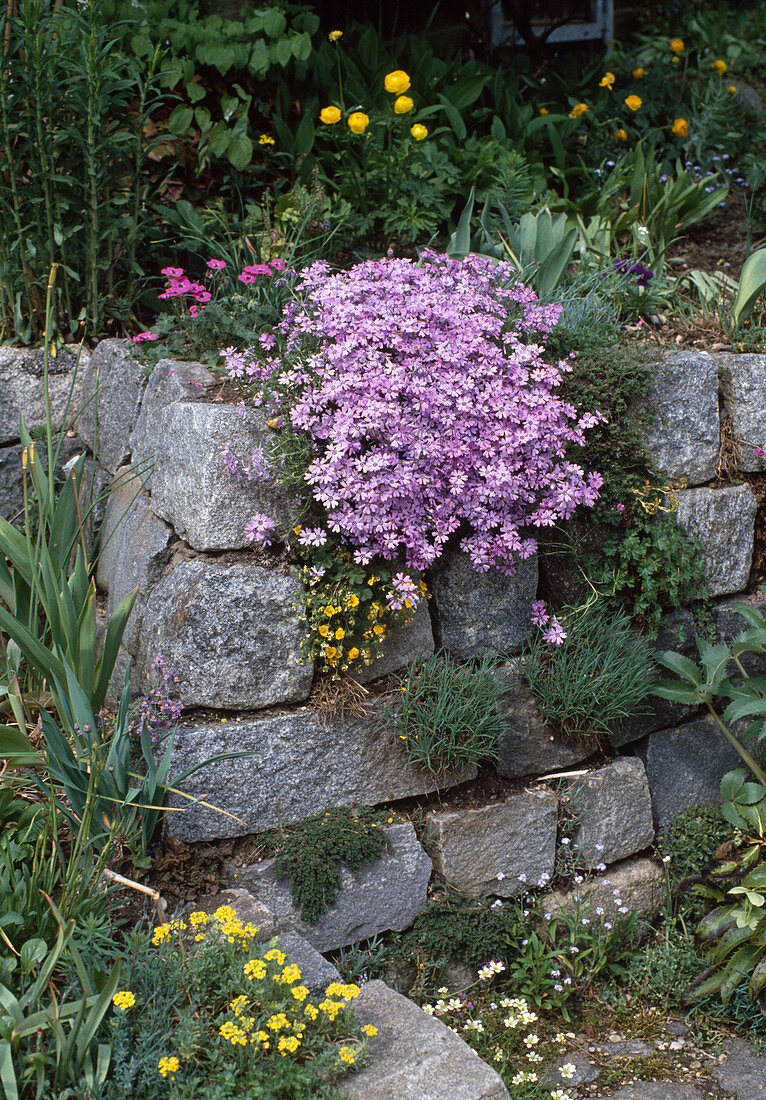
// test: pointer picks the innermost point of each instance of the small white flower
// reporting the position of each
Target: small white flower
(500, 876)
(533, 1057)
(531, 1039)
(567, 1071)
(496, 904)
(565, 840)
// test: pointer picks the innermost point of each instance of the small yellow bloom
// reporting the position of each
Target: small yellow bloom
(681, 127)
(323, 629)
(311, 1011)
(286, 1045)
(358, 122)
(352, 600)
(353, 653)
(579, 109)
(720, 66)
(606, 81)
(340, 633)
(123, 1000)
(544, 111)
(266, 139)
(397, 82)
(198, 917)
(676, 60)
(331, 653)
(639, 73)
(378, 629)
(403, 104)
(368, 1029)
(732, 89)
(335, 35)
(168, 1066)
(677, 45)
(419, 132)
(329, 115)
(634, 102)
(275, 955)
(255, 969)
(330, 610)
(346, 1055)
(300, 992)
(621, 135)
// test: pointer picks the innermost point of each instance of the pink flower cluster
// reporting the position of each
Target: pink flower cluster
(250, 274)
(431, 408)
(180, 285)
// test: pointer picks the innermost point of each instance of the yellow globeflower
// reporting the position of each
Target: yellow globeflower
(403, 104)
(677, 45)
(579, 109)
(544, 111)
(606, 81)
(335, 35)
(639, 73)
(358, 122)
(720, 67)
(732, 89)
(621, 135)
(634, 102)
(397, 82)
(329, 115)
(419, 132)
(681, 127)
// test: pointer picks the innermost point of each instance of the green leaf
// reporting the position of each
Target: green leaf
(274, 22)
(195, 91)
(181, 119)
(454, 118)
(240, 151)
(681, 665)
(460, 241)
(304, 136)
(752, 283)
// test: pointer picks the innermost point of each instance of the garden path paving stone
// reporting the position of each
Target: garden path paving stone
(743, 1072)
(654, 1090)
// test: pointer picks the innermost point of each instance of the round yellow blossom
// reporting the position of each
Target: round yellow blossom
(607, 81)
(419, 132)
(681, 127)
(266, 139)
(353, 653)
(323, 629)
(198, 917)
(278, 1020)
(621, 135)
(369, 1029)
(677, 45)
(544, 111)
(238, 1004)
(275, 955)
(288, 1045)
(358, 122)
(168, 1066)
(329, 115)
(255, 969)
(397, 82)
(335, 35)
(578, 109)
(311, 1011)
(634, 102)
(347, 1055)
(352, 600)
(639, 73)
(331, 653)
(289, 975)
(720, 66)
(233, 1034)
(340, 633)
(378, 629)
(330, 610)
(732, 89)
(676, 60)
(300, 992)
(123, 1000)
(403, 104)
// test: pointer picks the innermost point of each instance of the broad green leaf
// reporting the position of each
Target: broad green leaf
(181, 119)
(240, 151)
(752, 283)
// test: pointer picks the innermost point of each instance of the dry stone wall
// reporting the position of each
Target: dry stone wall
(226, 620)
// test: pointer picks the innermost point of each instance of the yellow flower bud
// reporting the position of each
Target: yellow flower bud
(335, 35)
(634, 102)
(419, 132)
(403, 104)
(681, 127)
(578, 109)
(677, 45)
(329, 115)
(397, 82)
(358, 122)
(639, 73)
(720, 66)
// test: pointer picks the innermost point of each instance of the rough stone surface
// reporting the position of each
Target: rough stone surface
(743, 385)
(113, 385)
(402, 647)
(247, 909)
(231, 633)
(471, 848)
(387, 896)
(525, 744)
(478, 613)
(640, 886)
(685, 765)
(316, 972)
(191, 487)
(678, 634)
(684, 438)
(305, 764)
(415, 1056)
(584, 1071)
(613, 811)
(744, 1072)
(653, 1090)
(134, 550)
(722, 519)
(171, 381)
(22, 388)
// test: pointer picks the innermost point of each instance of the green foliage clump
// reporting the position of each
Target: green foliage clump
(312, 854)
(667, 966)
(447, 715)
(595, 679)
(692, 839)
(459, 927)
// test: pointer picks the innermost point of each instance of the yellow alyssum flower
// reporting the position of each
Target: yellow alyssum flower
(681, 127)
(238, 1004)
(123, 1000)
(168, 1066)
(621, 135)
(578, 109)
(720, 66)
(198, 917)
(266, 139)
(403, 104)
(275, 955)
(335, 35)
(634, 102)
(255, 969)
(607, 81)
(369, 1029)
(289, 975)
(311, 1011)
(419, 132)
(639, 73)
(329, 116)
(677, 45)
(300, 992)
(397, 82)
(347, 1055)
(358, 122)
(278, 1020)
(288, 1045)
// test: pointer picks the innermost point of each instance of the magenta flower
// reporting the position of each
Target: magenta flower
(539, 614)
(260, 528)
(216, 265)
(172, 272)
(555, 634)
(140, 337)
